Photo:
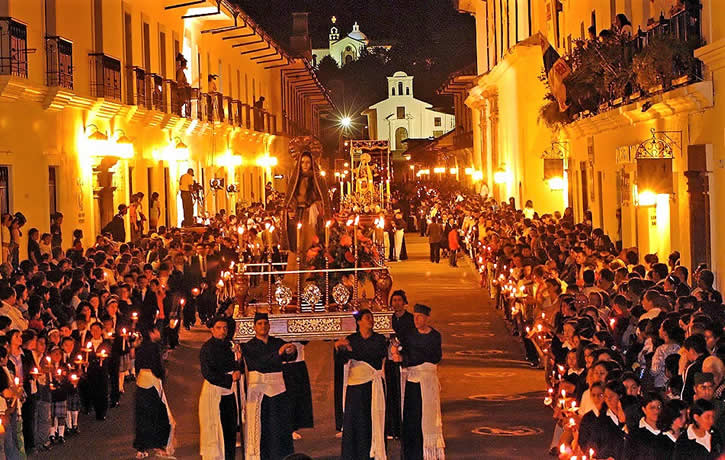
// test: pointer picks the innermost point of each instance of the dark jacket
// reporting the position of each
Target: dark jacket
(117, 228)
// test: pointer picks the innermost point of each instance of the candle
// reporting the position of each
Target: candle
(134, 317)
(299, 236)
(327, 234)
(35, 371)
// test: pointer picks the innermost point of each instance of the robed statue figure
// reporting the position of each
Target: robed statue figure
(307, 202)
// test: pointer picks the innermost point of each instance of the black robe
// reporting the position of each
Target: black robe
(417, 349)
(217, 361)
(276, 437)
(152, 419)
(357, 423)
(401, 325)
(299, 392)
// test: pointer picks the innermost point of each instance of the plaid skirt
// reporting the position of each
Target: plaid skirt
(58, 410)
(125, 363)
(74, 401)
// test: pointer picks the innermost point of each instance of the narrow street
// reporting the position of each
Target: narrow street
(492, 399)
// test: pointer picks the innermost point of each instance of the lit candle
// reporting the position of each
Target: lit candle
(327, 234)
(195, 292)
(299, 237)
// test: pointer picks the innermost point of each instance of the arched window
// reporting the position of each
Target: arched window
(400, 88)
(392, 91)
(407, 90)
(400, 135)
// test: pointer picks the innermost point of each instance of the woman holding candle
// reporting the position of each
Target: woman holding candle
(41, 428)
(97, 351)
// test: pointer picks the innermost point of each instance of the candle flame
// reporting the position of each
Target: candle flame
(328, 223)
(299, 225)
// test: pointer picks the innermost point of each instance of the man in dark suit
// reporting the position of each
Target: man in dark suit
(696, 351)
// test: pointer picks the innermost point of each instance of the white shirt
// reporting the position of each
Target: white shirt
(643, 424)
(16, 317)
(703, 441)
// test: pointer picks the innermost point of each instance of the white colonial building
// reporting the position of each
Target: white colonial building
(348, 48)
(401, 116)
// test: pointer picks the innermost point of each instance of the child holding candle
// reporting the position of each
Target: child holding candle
(97, 372)
(59, 396)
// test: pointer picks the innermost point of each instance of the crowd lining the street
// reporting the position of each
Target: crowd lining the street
(632, 347)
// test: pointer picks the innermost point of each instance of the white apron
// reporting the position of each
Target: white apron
(357, 373)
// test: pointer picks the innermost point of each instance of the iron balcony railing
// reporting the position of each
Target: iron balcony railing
(105, 76)
(59, 62)
(13, 48)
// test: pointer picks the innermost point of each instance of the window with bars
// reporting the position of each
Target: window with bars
(59, 58)
(13, 48)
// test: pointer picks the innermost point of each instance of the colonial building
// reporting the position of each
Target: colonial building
(402, 116)
(641, 150)
(348, 48)
(95, 106)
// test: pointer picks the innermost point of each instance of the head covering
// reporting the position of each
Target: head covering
(423, 309)
(260, 316)
(704, 377)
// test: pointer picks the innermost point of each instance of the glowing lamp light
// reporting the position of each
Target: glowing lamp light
(323, 173)
(439, 170)
(412, 167)
(646, 198)
(468, 171)
(477, 176)
(267, 161)
(556, 183)
(453, 171)
(345, 122)
(501, 176)
(96, 135)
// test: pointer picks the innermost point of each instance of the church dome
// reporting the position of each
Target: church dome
(400, 73)
(356, 34)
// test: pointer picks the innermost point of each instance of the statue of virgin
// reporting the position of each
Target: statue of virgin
(307, 202)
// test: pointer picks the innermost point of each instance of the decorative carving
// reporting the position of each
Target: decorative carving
(313, 325)
(382, 322)
(383, 282)
(245, 327)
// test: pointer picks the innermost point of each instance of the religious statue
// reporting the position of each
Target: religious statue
(364, 175)
(307, 200)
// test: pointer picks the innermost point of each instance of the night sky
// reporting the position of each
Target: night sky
(428, 29)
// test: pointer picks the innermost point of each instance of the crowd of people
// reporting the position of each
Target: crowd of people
(77, 322)
(633, 347)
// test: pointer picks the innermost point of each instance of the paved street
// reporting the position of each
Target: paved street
(492, 400)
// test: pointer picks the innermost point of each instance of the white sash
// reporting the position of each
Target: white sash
(357, 373)
(260, 385)
(211, 435)
(431, 422)
(146, 379)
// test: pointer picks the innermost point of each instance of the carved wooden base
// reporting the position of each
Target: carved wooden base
(317, 326)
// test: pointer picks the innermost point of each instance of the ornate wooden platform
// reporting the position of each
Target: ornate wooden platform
(312, 326)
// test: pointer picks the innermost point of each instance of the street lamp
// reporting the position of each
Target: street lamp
(346, 122)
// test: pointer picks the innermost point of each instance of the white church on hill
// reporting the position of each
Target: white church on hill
(346, 49)
(401, 116)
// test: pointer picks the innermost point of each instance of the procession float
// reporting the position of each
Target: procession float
(321, 263)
